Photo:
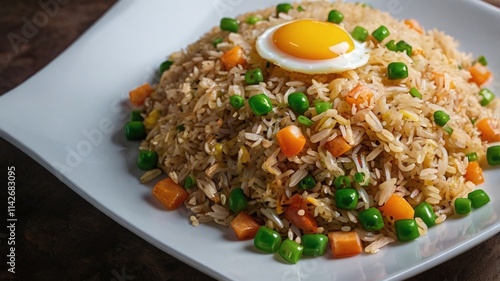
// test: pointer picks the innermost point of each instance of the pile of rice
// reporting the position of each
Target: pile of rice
(394, 137)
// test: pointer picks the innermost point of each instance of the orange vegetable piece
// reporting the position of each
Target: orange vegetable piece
(474, 173)
(138, 95)
(170, 194)
(488, 128)
(244, 226)
(358, 95)
(298, 213)
(233, 57)
(345, 244)
(291, 140)
(397, 208)
(413, 24)
(337, 146)
(480, 74)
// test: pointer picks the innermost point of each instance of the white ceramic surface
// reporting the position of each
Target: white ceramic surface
(69, 116)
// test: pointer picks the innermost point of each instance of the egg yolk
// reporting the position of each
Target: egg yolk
(312, 40)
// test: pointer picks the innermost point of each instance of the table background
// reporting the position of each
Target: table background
(60, 236)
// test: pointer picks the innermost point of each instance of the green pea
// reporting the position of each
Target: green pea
(229, 24)
(414, 92)
(267, 240)
(253, 19)
(371, 219)
(237, 200)
(402, 46)
(472, 157)
(406, 230)
(486, 96)
(307, 182)
(254, 76)
(322, 106)
(217, 41)
(397, 70)
(290, 251)
(362, 179)
(493, 155)
(237, 101)
(448, 130)
(381, 33)
(147, 160)
(425, 211)
(314, 244)
(478, 198)
(164, 66)
(335, 16)
(359, 33)
(482, 60)
(463, 206)
(391, 45)
(283, 8)
(359, 177)
(304, 120)
(346, 198)
(441, 118)
(342, 182)
(135, 130)
(189, 182)
(298, 102)
(260, 104)
(135, 115)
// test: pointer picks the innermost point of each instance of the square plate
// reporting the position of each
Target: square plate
(82, 94)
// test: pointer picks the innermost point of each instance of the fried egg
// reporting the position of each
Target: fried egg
(312, 47)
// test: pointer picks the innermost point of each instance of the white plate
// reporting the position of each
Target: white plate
(69, 118)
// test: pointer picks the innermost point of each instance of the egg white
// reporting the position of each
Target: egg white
(267, 49)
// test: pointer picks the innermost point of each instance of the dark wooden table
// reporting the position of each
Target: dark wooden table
(59, 236)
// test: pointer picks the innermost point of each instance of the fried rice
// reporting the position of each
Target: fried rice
(395, 142)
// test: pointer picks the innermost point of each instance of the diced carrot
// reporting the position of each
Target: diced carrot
(474, 173)
(337, 146)
(397, 208)
(170, 194)
(480, 73)
(291, 140)
(345, 244)
(298, 213)
(233, 57)
(244, 226)
(489, 132)
(413, 24)
(358, 95)
(138, 95)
